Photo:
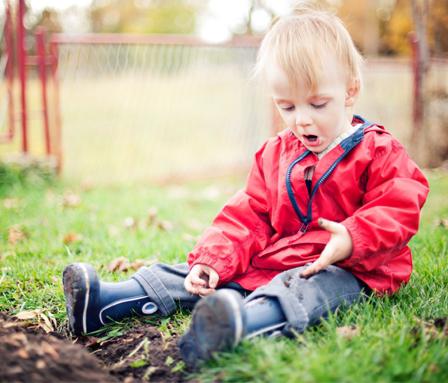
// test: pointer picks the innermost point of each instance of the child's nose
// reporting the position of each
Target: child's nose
(302, 118)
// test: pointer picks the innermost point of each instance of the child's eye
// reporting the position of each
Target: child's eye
(319, 106)
(287, 108)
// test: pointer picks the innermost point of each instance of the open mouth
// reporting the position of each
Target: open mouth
(311, 137)
(311, 140)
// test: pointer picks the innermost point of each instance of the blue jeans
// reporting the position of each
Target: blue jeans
(304, 301)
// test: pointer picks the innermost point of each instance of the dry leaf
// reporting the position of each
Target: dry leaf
(28, 314)
(442, 222)
(165, 225)
(71, 200)
(118, 264)
(45, 323)
(40, 364)
(347, 332)
(71, 238)
(434, 328)
(137, 264)
(10, 203)
(151, 216)
(15, 234)
(122, 264)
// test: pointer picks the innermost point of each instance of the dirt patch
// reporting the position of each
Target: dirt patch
(29, 356)
(142, 354)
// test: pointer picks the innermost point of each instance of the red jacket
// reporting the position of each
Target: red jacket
(368, 183)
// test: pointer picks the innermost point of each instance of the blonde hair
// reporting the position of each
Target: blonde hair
(299, 44)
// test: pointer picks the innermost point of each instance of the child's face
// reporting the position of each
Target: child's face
(316, 118)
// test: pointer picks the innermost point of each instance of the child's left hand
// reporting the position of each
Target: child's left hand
(338, 248)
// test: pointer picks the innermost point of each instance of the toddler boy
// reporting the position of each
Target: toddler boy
(329, 207)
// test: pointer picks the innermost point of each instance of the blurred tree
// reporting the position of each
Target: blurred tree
(144, 16)
(396, 24)
(48, 19)
(361, 20)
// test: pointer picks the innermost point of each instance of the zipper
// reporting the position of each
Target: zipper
(348, 144)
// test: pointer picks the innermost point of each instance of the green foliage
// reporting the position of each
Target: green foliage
(168, 16)
(397, 339)
(24, 173)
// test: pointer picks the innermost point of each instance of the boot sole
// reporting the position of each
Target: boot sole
(217, 325)
(79, 280)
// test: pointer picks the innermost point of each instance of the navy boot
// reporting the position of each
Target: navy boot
(221, 320)
(91, 303)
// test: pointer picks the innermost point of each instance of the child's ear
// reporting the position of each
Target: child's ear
(352, 92)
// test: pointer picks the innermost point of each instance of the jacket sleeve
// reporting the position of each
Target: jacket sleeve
(241, 229)
(396, 190)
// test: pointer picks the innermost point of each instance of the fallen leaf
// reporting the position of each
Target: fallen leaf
(347, 332)
(15, 234)
(40, 364)
(71, 238)
(434, 328)
(118, 264)
(28, 314)
(442, 222)
(137, 264)
(71, 200)
(151, 216)
(45, 323)
(165, 225)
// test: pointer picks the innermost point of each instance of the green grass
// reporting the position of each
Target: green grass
(393, 343)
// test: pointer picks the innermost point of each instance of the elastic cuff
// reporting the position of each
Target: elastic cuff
(155, 289)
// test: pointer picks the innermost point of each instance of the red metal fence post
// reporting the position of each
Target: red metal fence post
(9, 70)
(57, 142)
(21, 55)
(42, 63)
(415, 62)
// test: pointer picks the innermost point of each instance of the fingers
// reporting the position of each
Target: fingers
(331, 226)
(314, 268)
(202, 280)
(213, 279)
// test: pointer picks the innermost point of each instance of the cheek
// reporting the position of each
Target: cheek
(288, 118)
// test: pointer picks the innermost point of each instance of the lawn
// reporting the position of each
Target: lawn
(47, 224)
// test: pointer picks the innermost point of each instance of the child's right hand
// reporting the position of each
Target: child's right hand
(202, 280)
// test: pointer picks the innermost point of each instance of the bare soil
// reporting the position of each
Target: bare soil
(142, 354)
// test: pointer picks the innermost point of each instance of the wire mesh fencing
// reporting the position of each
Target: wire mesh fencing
(153, 111)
